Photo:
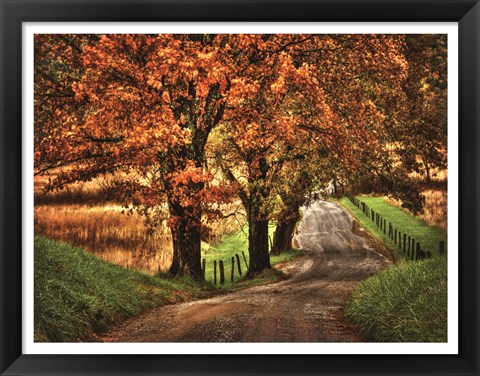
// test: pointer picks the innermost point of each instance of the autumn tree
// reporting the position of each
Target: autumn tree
(146, 107)
(144, 104)
(320, 91)
(58, 66)
(422, 131)
(369, 99)
(259, 136)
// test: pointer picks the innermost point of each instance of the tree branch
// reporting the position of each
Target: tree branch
(230, 176)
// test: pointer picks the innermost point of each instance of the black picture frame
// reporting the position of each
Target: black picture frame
(14, 12)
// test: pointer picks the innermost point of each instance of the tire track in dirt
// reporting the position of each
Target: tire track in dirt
(307, 307)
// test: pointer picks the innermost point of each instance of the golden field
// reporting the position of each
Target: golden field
(84, 216)
(104, 231)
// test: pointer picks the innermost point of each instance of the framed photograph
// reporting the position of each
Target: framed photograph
(280, 169)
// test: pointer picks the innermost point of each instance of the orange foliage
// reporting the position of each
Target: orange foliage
(150, 106)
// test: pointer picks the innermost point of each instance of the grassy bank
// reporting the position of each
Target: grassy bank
(428, 236)
(406, 302)
(77, 294)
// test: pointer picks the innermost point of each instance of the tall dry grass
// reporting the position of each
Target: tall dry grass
(118, 238)
(95, 192)
(107, 233)
(85, 215)
(435, 210)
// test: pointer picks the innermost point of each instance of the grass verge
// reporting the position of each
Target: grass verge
(237, 244)
(406, 302)
(403, 303)
(77, 294)
(428, 236)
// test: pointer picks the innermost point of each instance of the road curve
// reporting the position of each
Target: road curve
(307, 307)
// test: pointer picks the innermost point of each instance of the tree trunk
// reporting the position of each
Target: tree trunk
(186, 220)
(258, 223)
(186, 238)
(282, 238)
(186, 252)
(293, 199)
(258, 246)
(427, 170)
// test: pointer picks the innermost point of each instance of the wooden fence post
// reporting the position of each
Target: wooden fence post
(238, 263)
(413, 248)
(222, 273)
(395, 236)
(245, 259)
(233, 269)
(419, 255)
(384, 226)
(409, 245)
(404, 242)
(214, 272)
(204, 262)
(441, 251)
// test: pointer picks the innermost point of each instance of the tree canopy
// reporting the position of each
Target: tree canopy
(278, 115)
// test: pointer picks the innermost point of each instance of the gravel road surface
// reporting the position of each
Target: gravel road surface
(307, 307)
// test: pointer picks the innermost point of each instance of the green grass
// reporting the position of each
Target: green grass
(228, 246)
(428, 236)
(403, 303)
(406, 302)
(77, 294)
(234, 244)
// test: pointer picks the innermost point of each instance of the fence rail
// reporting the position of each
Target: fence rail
(406, 243)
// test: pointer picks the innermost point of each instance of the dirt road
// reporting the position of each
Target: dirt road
(307, 307)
